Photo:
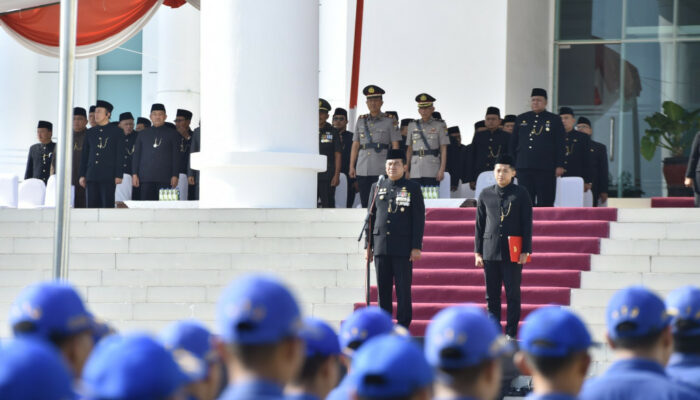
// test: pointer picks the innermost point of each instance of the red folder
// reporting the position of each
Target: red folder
(515, 245)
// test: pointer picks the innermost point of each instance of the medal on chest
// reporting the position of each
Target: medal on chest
(403, 197)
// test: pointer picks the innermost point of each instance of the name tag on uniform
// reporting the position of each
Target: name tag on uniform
(403, 198)
(524, 123)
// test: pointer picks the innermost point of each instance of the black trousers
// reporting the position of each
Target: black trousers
(399, 270)
(136, 193)
(149, 190)
(351, 192)
(192, 192)
(325, 193)
(100, 194)
(365, 183)
(540, 184)
(696, 188)
(510, 275)
(426, 181)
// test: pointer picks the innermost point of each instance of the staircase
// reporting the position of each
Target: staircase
(563, 241)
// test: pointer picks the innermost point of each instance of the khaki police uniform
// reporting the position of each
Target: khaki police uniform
(426, 139)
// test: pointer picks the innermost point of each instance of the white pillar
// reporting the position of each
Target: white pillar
(178, 61)
(259, 104)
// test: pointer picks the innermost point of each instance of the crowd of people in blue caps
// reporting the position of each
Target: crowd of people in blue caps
(264, 349)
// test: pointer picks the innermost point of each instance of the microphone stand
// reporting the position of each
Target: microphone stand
(368, 227)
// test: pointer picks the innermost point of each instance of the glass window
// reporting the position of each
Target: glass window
(648, 18)
(688, 17)
(589, 19)
(126, 57)
(123, 91)
(688, 75)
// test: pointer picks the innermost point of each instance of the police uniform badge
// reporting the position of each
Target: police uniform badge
(403, 198)
(381, 193)
(327, 137)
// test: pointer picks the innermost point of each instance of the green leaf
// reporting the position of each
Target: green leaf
(648, 147)
(674, 111)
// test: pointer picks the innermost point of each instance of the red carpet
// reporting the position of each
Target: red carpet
(669, 202)
(563, 240)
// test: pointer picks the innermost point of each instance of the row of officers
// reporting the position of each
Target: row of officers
(155, 153)
(544, 146)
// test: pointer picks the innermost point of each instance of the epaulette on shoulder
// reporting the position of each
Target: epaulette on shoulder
(389, 115)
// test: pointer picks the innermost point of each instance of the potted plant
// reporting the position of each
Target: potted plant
(674, 130)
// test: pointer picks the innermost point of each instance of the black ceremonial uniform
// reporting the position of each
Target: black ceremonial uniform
(486, 147)
(156, 159)
(183, 148)
(455, 162)
(101, 162)
(398, 223)
(39, 161)
(345, 150)
(577, 148)
(503, 212)
(129, 148)
(194, 148)
(599, 170)
(328, 145)
(537, 145)
(693, 170)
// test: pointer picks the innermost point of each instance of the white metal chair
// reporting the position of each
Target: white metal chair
(182, 185)
(123, 190)
(8, 190)
(484, 180)
(341, 192)
(50, 195)
(569, 192)
(31, 193)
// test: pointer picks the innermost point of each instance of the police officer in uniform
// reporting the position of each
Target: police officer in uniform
(328, 145)
(142, 123)
(692, 173)
(156, 162)
(101, 164)
(488, 145)
(508, 123)
(578, 146)
(426, 145)
(396, 240)
(41, 155)
(375, 134)
(503, 210)
(126, 123)
(537, 146)
(340, 123)
(597, 162)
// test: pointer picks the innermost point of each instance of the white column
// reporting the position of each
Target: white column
(178, 60)
(259, 104)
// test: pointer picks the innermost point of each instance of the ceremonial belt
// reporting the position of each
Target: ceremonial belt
(427, 149)
(378, 147)
(422, 153)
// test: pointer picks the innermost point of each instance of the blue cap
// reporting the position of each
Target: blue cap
(192, 346)
(133, 367)
(362, 325)
(641, 307)
(53, 307)
(320, 338)
(554, 331)
(31, 369)
(683, 305)
(390, 366)
(257, 309)
(468, 331)
(100, 329)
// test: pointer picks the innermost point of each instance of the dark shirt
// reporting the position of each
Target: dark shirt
(537, 141)
(634, 379)
(486, 147)
(157, 156)
(129, 147)
(502, 212)
(398, 217)
(599, 167)
(103, 152)
(39, 161)
(194, 148)
(328, 145)
(346, 149)
(693, 157)
(254, 390)
(455, 165)
(184, 151)
(576, 156)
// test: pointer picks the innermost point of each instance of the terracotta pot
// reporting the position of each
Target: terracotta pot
(674, 173)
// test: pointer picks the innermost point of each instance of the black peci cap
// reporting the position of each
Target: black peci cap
(45, 124)
(453, 129)
(405, 122)
(396, 154)
(509, 118)
(340, 111)
(505, 159)
(538, 92)
(480, 124)
(186, 114)
(105, 104)
(145, 121)
(584, 120)
(125, 116)
(566, 110)
(79, 111)
(92, 109)
(493, 111)
(157, 107)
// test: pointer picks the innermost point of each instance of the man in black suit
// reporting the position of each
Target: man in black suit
(537, 146)
(598, 163)
(503, 210)
(398, 221)
(101, 165)
(488, 144)
(692, 173)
